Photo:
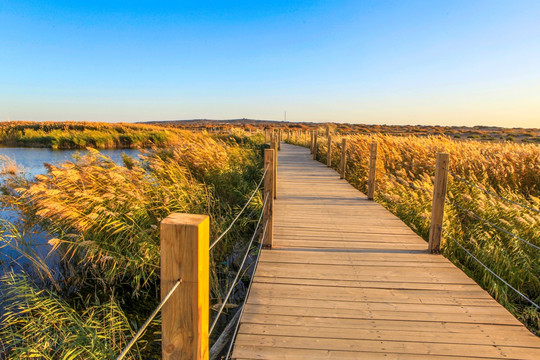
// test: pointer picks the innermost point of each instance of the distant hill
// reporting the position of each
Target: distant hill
(478, 132)
(244, 121)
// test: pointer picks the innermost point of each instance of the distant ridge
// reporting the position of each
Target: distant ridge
(242, 121)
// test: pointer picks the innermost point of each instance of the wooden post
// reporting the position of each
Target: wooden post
(329, 152)
(327, 131)
(343, 158)
(275, 163)
(311, 142)
(269, 194)
(315, 145)
(185, 257)
(279, 140)
(372, 167)
(437, 208)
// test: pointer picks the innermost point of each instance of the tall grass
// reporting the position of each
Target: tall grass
(102, 221)
(405, 185)
(79, 135)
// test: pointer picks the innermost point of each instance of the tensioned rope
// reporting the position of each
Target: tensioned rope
(492, 224)
(492, 193)
(240, 213)
(147, 322)
(229, 292)
(179, 281)
(247, 294)
(491, 271)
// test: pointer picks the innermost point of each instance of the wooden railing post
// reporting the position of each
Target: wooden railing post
(185, 257)
(275, 163)
(372, 167)
(311, 141)
(343, 158)
(279, 140)
(315, 145)
(437, 209)
(329, 152)
(269, 183)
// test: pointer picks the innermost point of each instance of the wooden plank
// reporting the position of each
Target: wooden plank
(346, 279)
(507, 339)
(245, 352)
(390, 347)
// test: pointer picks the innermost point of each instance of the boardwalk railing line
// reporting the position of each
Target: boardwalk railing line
(148, 321)
(247, 293)
(240, 213)
(492, 224)
(372, 169)
(229, 292)
(184, 242)
(488, 269)
(457, 177)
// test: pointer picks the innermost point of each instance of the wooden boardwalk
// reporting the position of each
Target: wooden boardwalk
(346, 279)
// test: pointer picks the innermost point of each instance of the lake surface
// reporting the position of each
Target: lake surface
(31, 160)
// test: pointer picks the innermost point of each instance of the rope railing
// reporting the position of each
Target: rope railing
(493, 225)
(241, 211)
(229, 292)
(457, 177)
(491, 271)
(247, 294)
(195, 224)
(148, 321)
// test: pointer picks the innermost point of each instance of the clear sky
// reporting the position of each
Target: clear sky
(388, 62)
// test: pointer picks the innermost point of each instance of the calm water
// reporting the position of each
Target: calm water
(31, 160)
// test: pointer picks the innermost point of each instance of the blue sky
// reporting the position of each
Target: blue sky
(386, 62)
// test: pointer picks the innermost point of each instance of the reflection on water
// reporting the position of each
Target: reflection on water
(31, 160)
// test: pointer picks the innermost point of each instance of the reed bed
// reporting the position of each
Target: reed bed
(79, 135)
(102, 220)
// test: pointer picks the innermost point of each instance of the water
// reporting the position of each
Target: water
(32, 160)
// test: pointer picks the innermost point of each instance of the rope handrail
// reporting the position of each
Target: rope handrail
(229, 292)
(491, 193)
(491, 271)
(241, 211)
(247, 294)
(494, 225)
(147, 322)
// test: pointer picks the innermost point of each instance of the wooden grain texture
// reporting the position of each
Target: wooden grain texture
(343, 163)
(315, 146)
(439, 195)
(185, 256)
(372, 170)
(346, 279)
(269, 198)
(329, 152)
